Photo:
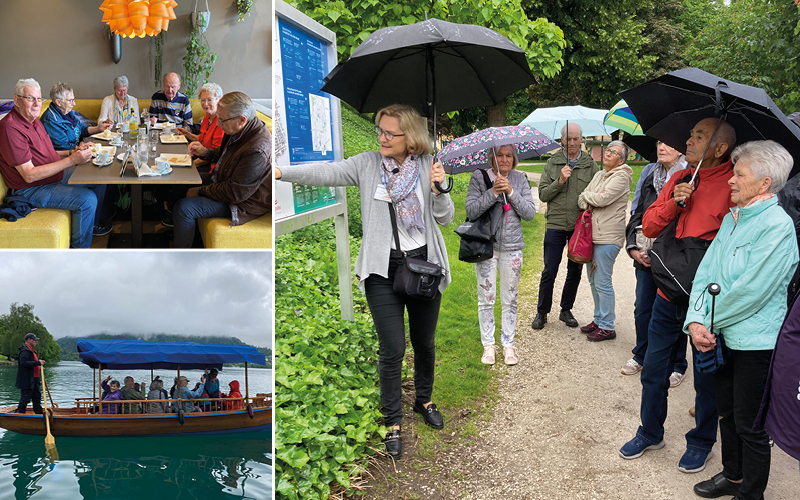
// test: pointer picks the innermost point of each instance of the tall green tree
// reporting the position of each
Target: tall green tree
(353, 21)
(664, 33)
(20, 321)
(753, 42)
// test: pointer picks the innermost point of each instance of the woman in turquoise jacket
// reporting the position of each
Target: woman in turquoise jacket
(752, 258)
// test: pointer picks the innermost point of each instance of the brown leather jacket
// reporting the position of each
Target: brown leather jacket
(243, 176)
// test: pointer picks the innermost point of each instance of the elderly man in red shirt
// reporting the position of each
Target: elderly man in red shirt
(32, 168)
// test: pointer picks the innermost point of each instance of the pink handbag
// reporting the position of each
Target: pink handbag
(579, 248)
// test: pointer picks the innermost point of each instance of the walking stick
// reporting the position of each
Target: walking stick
(49, 440)
(713, 290)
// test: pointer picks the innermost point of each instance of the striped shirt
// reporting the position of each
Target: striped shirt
(177, 111)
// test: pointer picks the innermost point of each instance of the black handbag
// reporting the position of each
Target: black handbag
(415, 278)
(477, 236)
(674, 262)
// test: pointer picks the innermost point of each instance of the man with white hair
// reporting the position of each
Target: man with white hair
(241, 184)
(32, 168)
(565, 176)
(170, 105)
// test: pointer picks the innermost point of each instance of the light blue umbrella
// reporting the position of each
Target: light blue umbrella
(552, 120)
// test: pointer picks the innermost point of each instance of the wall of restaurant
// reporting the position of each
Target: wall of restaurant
(62, 40)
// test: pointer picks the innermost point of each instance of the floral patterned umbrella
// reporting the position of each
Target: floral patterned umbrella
(471, 152)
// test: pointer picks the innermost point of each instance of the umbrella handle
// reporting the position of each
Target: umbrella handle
(443, 190)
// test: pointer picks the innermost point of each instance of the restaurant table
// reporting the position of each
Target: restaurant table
(89, 173)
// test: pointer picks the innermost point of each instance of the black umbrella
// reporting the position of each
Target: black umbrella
(669, 106)
(642, 144)
(434, 66)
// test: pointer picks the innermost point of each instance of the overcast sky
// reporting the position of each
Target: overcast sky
(78, 293)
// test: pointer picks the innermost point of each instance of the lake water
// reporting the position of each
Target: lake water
(226, 466)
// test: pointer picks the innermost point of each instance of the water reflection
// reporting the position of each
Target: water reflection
(228, 466)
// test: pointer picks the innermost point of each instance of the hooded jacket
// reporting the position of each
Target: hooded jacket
(562, 199)
(233, 405)
(27, 363)
(509, 229)
(608, 194)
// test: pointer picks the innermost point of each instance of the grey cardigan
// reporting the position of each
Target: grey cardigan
(363, 171)
(509, 231)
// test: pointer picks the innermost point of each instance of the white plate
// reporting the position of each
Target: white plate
(178, 160)
(109, 162)
(111, 135)
(173, 139)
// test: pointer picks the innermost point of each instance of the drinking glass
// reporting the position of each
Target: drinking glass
(154, 135)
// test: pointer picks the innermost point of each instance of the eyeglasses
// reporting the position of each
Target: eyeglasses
(614, 153)
(389, 136)
(69, 100)
(32, 99)
(229, 119)
(206, 101)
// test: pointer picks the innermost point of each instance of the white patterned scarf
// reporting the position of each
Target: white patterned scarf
(402, 189)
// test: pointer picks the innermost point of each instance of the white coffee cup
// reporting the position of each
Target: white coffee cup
(161, 163)
(102, 156)
(124, 127)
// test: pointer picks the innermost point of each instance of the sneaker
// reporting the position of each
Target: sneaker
(694, 460)
(589, 328)
(636, 447)
(488, 355)
(510, 355)
(539, 321)
(101, 229)
(631, 367)
(675, 379)
(567, 317)
(600, 334)
(167, 221)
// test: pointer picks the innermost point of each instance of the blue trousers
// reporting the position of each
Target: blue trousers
(554, 242)
(643, 308)
(601, 285)
(186, 213)
(80, 201)
(666, 331)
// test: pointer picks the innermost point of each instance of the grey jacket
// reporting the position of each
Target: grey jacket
(363, 171)
(509, 230)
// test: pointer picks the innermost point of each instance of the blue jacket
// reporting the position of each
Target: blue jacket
(65, 131)
(752, 260)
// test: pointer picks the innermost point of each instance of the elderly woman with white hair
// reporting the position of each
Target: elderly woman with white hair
(62, 124)
(119, 105)
(752, 259)
(606, 197)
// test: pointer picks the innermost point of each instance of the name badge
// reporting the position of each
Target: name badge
(382, 194)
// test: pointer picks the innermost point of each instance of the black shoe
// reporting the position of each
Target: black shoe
(394, 447)
(430, 414)
(167, 221)
(717, 486)
(568, 318)
(101, 229)
(539, 321)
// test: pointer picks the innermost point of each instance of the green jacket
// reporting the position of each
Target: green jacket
(130, 393)
(562, 199)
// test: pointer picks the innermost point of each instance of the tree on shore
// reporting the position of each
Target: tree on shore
(20, 321)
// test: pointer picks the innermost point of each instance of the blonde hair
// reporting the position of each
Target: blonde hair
(412, 124)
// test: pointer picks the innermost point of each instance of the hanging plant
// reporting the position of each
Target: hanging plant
(157, 45)
(243, 7)
(198, 61)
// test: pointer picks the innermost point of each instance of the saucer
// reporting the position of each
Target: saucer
(109, 162)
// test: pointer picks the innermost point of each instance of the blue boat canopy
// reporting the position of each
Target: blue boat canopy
(144, 354)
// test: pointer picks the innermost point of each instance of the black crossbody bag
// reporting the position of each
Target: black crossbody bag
(415, 278)
(477, 236)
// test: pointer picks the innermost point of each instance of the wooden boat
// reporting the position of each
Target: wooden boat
(234, 415)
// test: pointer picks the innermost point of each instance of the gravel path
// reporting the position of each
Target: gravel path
(564, 412)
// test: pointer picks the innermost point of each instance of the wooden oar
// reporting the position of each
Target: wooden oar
(49, 440)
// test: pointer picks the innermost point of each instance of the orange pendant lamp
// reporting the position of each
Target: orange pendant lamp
(131, 18)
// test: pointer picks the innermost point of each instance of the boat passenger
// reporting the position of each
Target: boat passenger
(185, 393)
(157, 392)
(114, 394)
(130, 392)
(233, 405)
(211, 386)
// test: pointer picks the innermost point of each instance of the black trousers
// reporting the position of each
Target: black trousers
(554, 242)
(739, 385)
(387, 310)
(31, 395)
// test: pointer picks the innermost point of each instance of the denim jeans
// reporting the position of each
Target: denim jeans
(186, 213)
(554, 242)
(666, 330)
(603, 256)
(739, 385)
(80, 201)
(99, 191)
(387, 310)
(509, 266)
(643, 308)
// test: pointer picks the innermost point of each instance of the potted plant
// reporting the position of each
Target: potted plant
(205, 16)
(243, 7)
(198, 61)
